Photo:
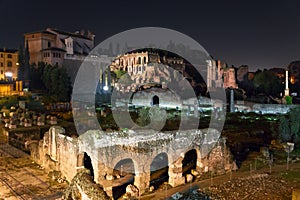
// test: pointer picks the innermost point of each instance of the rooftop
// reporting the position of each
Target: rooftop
(40, 31)
(69, 33)
(8, 50)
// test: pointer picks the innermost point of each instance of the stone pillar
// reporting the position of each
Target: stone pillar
(175, 173)
(286, 91)
(188, 110)
(231, 100)
(142, 181)
(196, 112)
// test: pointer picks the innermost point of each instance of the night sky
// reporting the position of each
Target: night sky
(261, 34)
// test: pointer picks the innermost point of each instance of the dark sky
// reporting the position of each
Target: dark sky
(261, 34)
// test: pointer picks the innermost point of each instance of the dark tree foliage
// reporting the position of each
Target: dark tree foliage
(26, 63)
(21, 63)
(54, 80)
(36, 73)
(289, 126)
(268, 83)
(24, 66)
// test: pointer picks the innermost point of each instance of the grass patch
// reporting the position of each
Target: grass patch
(291, 175)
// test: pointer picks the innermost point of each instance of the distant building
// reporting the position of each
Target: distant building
(8, 64)
(219, 75)
(134, 63)
(53, 46)
(229, 78)
(242, 73)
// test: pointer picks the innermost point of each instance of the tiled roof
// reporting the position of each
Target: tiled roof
(69, 34)
(41, 31)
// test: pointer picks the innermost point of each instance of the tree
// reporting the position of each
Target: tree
(26, 75)
(267, 82)
(57, 82)
(284, 129)
(289, 127)
(36, 72)
(21, 63)
(64, 86)
(294, 124)
(119, 73)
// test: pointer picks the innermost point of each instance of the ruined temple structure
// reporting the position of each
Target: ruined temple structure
(219, 75)
(125, 160)
(137, 62)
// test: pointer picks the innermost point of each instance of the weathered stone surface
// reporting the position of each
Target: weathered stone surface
(83, 187)
(65, 154)
(132, 190)
(296, 194)
(195, 173)
(189, 178)
(109, 177)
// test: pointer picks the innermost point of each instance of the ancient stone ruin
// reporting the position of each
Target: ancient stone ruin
(133, 162)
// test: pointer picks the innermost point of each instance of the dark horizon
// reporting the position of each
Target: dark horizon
(258, 34)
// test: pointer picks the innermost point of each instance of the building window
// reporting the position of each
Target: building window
(9, 56)
(1, 71)
(49, 44)
(1, 64)
(1, 55)
(9, 64)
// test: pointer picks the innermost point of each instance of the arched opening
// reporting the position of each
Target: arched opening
(159, 170)
(139, 61)
(145, 60)
(124, 173)
(155, 101)
(87, 163)
(189, 162)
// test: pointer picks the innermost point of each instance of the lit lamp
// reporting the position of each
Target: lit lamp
(105, 88)
(9, 75)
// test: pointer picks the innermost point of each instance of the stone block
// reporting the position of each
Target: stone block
(12, 126)
(132, 190)
(40, 123)
(109, 177)
(189, 178)
(296, 194)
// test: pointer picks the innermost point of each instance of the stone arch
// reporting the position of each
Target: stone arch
(159, 168)
(124, 173)
(155, 100)
(189, 161)
(86, 162)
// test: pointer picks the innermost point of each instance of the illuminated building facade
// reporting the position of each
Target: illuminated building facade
(8, 64)
(53, 46)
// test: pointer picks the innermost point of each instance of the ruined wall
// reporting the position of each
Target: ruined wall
(272, 108)
(57, 152)
(166, 98)
(61, 153)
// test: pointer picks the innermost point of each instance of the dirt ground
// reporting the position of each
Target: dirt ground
(21, 178)
(241, 185)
